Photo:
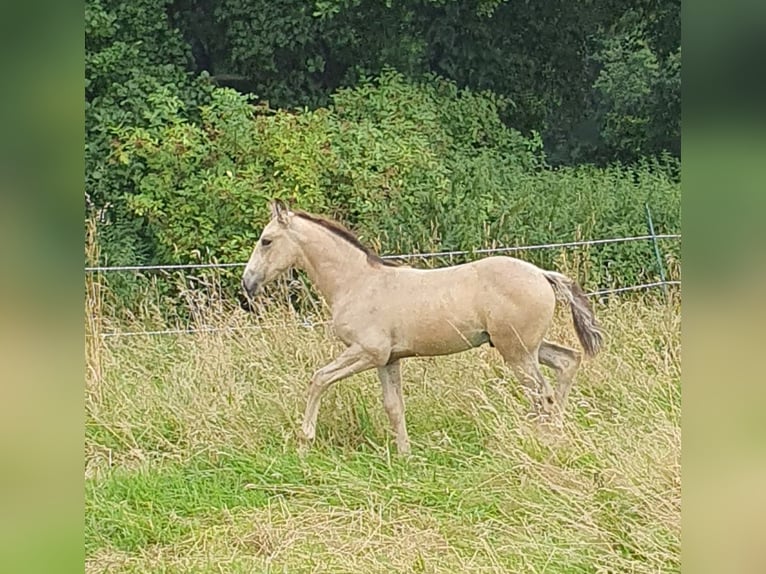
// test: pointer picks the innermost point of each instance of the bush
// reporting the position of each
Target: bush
(409, 166)
(135, 75)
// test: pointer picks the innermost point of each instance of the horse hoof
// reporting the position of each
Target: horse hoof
(304, 442)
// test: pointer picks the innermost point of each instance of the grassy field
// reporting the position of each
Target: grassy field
(191, 461)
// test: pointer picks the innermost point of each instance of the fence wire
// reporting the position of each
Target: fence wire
(483, 251)
(309, 324)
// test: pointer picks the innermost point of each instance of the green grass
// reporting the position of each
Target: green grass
(192, 466)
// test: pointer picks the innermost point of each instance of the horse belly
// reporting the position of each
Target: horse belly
(437, 336)
(436, 312)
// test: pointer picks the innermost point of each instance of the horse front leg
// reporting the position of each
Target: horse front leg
(393, 401)
(352, 361)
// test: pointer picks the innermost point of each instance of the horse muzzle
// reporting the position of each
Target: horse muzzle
(250, 288)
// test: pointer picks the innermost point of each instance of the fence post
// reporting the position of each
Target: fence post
(656, 250)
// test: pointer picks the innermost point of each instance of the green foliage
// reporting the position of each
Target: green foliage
(412, 164)
(135, 75)
(547, 58)
(409, 166)
(202, 189)
(638, 93)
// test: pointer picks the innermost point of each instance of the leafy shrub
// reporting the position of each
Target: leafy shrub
(135, 75)
(409, 166)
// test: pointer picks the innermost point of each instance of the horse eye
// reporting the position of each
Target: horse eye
(265, 242)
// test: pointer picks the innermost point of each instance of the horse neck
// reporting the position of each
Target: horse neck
(331, 263)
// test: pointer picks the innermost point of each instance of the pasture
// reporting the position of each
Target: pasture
(192, 461)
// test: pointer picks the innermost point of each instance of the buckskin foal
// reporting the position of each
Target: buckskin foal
(384, 313)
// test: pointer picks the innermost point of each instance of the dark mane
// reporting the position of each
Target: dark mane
(343, 233)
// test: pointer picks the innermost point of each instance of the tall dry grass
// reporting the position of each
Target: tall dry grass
(191, 460)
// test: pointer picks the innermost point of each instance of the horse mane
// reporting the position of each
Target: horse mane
(342, 232)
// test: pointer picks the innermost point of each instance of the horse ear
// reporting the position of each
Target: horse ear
(279, 211)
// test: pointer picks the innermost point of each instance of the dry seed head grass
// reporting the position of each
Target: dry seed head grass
(486, 489)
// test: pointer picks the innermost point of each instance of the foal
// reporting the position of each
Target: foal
(384, 313)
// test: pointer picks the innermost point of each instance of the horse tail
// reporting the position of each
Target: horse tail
(588, 330)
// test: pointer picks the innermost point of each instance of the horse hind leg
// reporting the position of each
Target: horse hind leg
(565, 362)
(529, 374)
(523, 363)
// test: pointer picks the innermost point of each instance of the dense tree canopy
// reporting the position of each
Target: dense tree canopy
(599, 80)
